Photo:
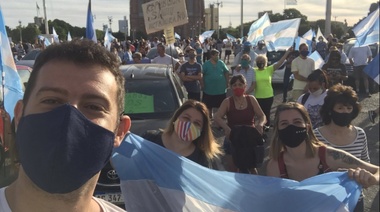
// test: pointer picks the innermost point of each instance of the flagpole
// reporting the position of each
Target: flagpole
(46, 21)
(241, 19)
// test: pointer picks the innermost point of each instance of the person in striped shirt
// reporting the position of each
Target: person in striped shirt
(340, 107)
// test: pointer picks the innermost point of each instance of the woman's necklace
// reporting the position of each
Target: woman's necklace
(239, 103)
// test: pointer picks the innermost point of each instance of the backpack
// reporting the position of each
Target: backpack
(247, 147)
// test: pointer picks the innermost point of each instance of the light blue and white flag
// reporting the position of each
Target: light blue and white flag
(55, 36)
(256, 31)
(90, 30)
(281, 35)
(300, 40)
(108, 38)
(319, 33)
(367, 31)
(177, 36)
(44, 39)
(372, 69)
(318, 60)
(206, 35)
(309, 35)
(69, 36)
(291, 2)
(232, 38)
(11, 88)
(156, 179)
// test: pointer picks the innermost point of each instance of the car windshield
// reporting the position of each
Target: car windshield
(149, 99)
(31, 55)
(274, 56)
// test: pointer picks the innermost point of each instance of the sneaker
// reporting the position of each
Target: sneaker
(372, 116)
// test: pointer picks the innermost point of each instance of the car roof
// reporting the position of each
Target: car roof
(146, 71)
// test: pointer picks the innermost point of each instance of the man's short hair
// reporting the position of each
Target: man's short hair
(137, 54)
(80, 52)
(214, 52)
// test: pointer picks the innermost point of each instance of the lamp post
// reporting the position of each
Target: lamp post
(133, 34)
(199, 23)
(19, 22)
(217, 4)
(192, 31)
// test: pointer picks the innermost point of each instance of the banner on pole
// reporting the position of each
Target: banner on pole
(169, 35)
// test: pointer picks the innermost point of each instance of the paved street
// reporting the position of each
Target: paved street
(372, 130)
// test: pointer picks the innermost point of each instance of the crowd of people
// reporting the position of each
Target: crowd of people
(312, 131)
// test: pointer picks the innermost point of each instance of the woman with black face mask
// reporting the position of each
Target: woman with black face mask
(334, 69)
(296, 153)
(341, 106)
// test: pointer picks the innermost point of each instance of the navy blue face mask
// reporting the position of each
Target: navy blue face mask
(304, 53)
(61, 150)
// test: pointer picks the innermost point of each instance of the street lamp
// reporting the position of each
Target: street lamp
(20, 30)
(212, 15)
(199, 23)
(192, 31)
(133, 34)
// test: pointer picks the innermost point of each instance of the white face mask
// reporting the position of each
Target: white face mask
(317, 92)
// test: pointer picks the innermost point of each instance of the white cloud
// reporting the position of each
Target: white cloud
(74, 11)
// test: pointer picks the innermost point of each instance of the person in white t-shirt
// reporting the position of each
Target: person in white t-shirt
(359, 58)
(314, 99)
(302, 66)
(162, 57)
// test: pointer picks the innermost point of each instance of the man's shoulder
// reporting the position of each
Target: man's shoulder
(107, 206)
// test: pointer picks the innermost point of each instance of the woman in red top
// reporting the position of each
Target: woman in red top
(240, 110)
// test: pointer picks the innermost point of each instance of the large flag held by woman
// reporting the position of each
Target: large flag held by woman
(156, 179)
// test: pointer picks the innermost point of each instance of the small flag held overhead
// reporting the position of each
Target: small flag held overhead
(291, 2)
(55, 36)
(69, 36)
(90, 30)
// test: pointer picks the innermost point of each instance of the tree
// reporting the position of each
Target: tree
(29, 33)
(373, 7)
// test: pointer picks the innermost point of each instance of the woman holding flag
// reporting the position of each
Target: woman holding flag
(189, 134)
(264, 90)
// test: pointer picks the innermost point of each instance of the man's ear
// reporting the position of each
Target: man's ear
(123, 129)
(18, 110)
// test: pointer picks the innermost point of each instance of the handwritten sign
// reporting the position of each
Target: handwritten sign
(169, 35)
(138, 103)
(161, 14)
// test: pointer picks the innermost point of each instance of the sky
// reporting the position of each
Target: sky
(74, 12)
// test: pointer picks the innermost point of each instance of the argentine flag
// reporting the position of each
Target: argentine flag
(232, 38)
(309, 35)
(367, 31)
(11, 88)
(318, 60)
(256, 31)
(205, 35)
(281, 35)
(372, 69)
(156, 179)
